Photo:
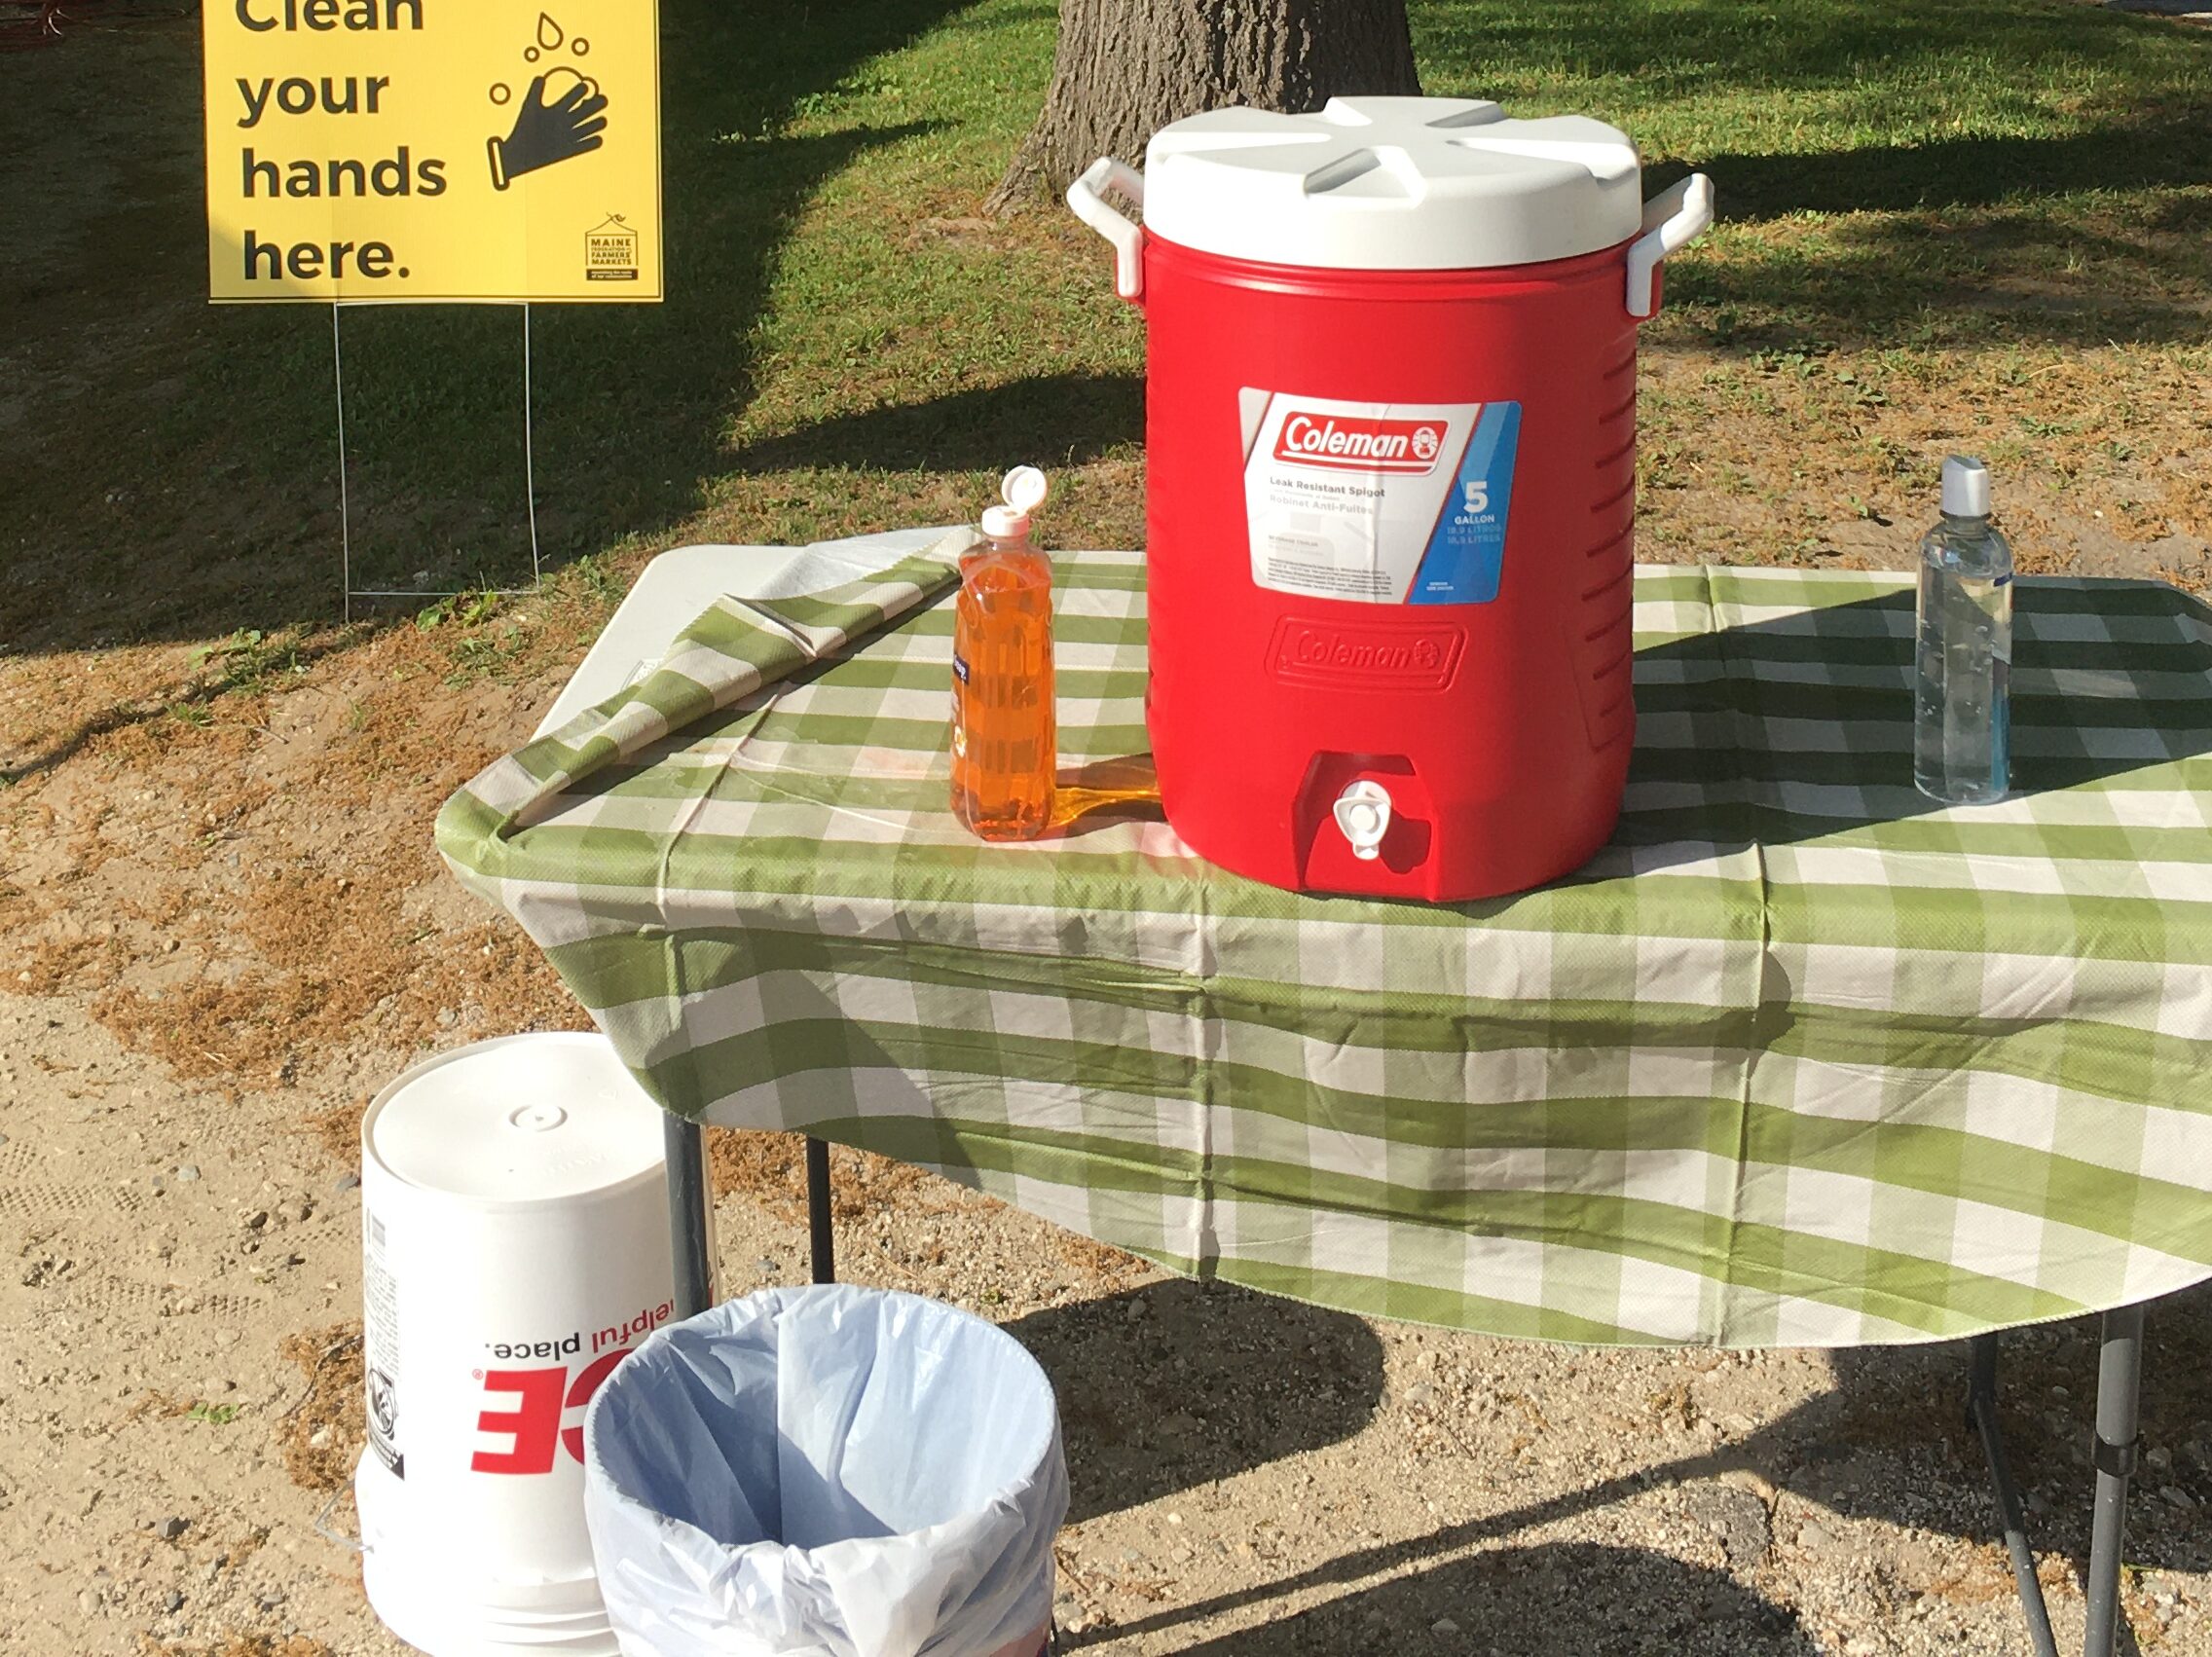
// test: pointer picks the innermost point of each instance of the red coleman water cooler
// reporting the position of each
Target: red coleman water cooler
(1392, 447)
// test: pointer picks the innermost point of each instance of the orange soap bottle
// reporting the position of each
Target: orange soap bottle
(1005, 740)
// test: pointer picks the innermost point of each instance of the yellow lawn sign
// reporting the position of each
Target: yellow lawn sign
(433, 150)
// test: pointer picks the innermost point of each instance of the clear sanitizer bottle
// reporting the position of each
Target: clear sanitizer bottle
(1962, 724)
(1005, 738)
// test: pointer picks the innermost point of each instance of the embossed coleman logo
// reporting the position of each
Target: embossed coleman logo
(1349, 443)
(1404, 658)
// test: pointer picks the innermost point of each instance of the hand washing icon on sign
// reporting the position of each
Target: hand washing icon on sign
(562, 115)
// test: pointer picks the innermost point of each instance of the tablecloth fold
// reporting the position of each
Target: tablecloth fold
(739, 648)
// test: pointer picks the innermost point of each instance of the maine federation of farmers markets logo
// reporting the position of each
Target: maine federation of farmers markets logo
(611, 251)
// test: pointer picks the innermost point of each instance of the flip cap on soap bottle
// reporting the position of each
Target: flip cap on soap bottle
(1024, 490)
(1966, 487)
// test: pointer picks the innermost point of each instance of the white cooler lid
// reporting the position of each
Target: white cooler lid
(1392, 184)
(521, 1120)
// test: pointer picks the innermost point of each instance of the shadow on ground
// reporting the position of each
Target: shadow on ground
(1889, 1442)
(1228, 1381)
(1559, 1600)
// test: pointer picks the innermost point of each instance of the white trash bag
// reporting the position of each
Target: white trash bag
(827, 1472)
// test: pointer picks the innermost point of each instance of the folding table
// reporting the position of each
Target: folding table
(1798, 1060)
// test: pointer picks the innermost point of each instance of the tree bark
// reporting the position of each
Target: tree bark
(1126, 68)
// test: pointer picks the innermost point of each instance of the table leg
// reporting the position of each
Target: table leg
(822, 1240)
(2119, 1387)
(690, 1220)
(1982, 1415)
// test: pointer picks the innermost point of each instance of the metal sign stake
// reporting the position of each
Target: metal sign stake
(345, 506)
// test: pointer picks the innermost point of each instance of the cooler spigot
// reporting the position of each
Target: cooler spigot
(1363, 813)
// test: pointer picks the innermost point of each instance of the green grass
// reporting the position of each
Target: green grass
(1951, 174)
(1927, 204)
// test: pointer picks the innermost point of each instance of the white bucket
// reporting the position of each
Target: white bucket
(515, 1237)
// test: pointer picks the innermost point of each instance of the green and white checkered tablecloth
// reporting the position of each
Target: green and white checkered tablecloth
(1800, 1058)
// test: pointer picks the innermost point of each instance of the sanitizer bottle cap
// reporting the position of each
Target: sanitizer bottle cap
(1966, 487)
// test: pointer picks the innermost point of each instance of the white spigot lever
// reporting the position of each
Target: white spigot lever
(1672, 220)
(1087, 195)
(1363, 813)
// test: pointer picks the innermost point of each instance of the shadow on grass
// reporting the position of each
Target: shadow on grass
(1986, 240)
(2030, 239)
(1690, 48)
(175, 476)
(1067, 419)
(629, 402)
(1958, 173)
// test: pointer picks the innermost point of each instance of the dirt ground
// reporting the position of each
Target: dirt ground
(179, 1413)
(227, 929)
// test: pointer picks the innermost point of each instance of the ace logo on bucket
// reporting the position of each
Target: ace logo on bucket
(530, 1415)
(529, 1407)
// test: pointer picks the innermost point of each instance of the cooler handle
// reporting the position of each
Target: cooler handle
(1672, 220)
(1086, 196)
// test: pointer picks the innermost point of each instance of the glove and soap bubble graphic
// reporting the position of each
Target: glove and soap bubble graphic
(561, 116)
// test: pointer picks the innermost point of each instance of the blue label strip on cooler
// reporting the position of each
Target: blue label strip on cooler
(1468, 546)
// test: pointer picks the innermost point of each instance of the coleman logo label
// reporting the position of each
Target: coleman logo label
(1390, 503)
(1352, 443)
(1405, 658)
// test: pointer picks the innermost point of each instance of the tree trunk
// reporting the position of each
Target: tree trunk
(1126, 68)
